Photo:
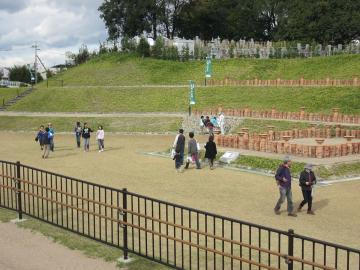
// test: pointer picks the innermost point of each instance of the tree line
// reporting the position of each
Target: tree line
(321, 21)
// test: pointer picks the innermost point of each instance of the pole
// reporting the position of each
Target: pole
(18, 186)
(189, 110)
(35, 62)
(125, 240)
(290, 248)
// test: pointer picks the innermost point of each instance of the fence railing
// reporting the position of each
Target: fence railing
(171, 234)
(355, 82)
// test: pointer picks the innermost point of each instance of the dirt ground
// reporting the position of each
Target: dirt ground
(240, 195)
(19, 247)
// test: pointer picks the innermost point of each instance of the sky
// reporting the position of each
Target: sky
(57, 26)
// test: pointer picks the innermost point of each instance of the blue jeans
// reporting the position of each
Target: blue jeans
(78, 139)
(86, 144)
(285, 192)
(179, 160)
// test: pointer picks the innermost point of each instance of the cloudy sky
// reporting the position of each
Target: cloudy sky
(57, 26)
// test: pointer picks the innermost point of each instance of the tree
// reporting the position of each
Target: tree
(1, 73)
(143, 49)
(158, 48)
(326, 22)
(22, 74)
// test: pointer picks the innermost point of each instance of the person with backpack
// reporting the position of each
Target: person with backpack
(283, 180)
(210, 151)
(306, 181)
(193, 152)
(179, 148)
(78, 131)
(46, 141)
(40, 137)
(86, 136)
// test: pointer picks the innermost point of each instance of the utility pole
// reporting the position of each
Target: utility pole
(36, 58)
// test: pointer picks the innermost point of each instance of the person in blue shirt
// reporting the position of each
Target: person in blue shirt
(51, 136)
(40, 137)
(283, 180)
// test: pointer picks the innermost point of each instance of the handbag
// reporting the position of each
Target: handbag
(172, 153)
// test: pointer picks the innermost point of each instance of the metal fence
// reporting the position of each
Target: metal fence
(171, 234)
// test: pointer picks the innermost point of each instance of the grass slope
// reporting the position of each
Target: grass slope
(110, 124)
(97, 99)
(9, 93)
(120, 69)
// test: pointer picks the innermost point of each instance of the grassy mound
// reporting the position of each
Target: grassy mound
(117, 99)
(120, 69)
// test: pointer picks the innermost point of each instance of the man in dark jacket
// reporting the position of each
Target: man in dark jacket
(306, 181)
(46, 141)
(179, 146)
(283, 179)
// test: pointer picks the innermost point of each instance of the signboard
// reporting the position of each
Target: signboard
(229, 157)
(192, 93)
(208, 68)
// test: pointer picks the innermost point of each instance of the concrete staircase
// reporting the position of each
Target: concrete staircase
(8, 103)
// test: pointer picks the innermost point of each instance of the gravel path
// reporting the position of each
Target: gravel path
(22, 249)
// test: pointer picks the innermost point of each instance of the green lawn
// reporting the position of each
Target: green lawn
(99, 99)
(9, 93)
(110, 124)
(259, 126)
(120, 69)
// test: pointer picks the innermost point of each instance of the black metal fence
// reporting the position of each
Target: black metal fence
(171, 234)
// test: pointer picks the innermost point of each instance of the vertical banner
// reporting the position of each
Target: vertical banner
(192, 93)
(208, 67)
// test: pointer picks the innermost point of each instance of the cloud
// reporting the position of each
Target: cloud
(60, 25)
(12, 5)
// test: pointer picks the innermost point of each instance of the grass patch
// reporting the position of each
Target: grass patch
(9, 93)
(267, 164)
(73, 241)
(350, 169)
(125, 69)
(259, 126)
(99, 99)
(110, 124)
(7, 215)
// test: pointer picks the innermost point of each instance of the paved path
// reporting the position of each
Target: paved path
(21, 249)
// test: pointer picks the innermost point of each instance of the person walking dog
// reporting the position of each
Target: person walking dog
(306, 181)
(283, 179)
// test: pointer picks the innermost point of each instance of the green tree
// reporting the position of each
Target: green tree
(158, 48)
(22, 74)
(143, 49)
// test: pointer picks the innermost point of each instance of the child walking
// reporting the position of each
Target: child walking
(100, 134)
(211, 151)
(40, 137)
(86, 136)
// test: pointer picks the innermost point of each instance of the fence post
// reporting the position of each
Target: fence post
(125, 240)
(18, 186)
(290, 248)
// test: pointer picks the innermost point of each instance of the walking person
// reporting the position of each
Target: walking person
(86, 136)
(210, 151)
(306, 181)
(179, 147)
(46, 141)
(283, 179)
(40, 137)
(51, 136)
(100, 134)
(193, 152)
(78, 131)
(202, 124)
